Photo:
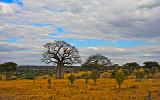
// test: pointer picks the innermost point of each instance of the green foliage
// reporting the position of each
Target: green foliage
(86, 77)
(8, 67)
(113, 74)
(119, 77)
(139, 75)
(131, 66)
(127, 72)
(92, 66)
(30, 74)
(71, 79)
(151, 64)
(94, 76)
(153, 70)
(147, 71)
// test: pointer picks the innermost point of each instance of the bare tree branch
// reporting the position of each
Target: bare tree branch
(60, 53)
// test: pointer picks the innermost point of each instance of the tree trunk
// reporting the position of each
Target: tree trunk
(59, 72)
(119, 86)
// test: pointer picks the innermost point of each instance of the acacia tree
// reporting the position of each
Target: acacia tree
(60, 54)
(119, 77)
(131, 66)
(151, 64)
(97, 61)
(8, 67)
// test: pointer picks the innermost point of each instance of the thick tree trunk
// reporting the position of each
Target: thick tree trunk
(60, 71)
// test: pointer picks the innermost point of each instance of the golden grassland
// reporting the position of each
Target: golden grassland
(61, 90)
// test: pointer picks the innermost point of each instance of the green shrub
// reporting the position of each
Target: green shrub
(147, 72)
(139, 75)
(119, 77)
(95, 75)
(86, 77)
(71, 79)
(29, 75)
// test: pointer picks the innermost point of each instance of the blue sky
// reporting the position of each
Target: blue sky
(10, 39)
(18, 2)
(123, 30)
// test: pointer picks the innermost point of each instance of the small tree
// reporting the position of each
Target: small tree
(131, 66)
(126, 72)
(113, 74)
(95, 75)
(49, 83)
(119, 77)
(86, 77)
(71, 79)
(153, 70)
(149, 95)
(147, 72)
(139, 75)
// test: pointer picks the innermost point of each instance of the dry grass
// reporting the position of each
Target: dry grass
(61, 90)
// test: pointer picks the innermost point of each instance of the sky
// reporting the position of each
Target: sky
(122, 30)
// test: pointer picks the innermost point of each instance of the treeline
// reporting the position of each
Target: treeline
(11, 70)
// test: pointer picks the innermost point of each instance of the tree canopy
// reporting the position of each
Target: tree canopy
(151, 64)
(96, 61)
(8, 67)
(132, 65)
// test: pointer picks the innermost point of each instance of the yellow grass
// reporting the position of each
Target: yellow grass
(61, 90)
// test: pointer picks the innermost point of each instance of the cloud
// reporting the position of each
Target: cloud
(150, 4)
(8, 47)
(84, 20)
(138, 54)
(5, 9)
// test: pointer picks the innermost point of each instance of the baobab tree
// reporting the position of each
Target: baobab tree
(60, 54)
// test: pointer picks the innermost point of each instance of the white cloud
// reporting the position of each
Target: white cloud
(110, 20)
(5, 9)
(138, 54)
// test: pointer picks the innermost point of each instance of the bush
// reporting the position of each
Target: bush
(127, 72)
(71, 79)
(86, 77)
(147, 72)
(119, 77)
(8, 67)
(92, 66)
(139, 75)
(29, 75)
(94, 75)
